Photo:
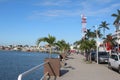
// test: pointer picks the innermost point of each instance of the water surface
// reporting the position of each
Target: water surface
(12, 63)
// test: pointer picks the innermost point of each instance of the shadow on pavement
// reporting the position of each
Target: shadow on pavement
(63, 72)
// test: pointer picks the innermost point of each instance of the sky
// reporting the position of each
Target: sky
(24, 21)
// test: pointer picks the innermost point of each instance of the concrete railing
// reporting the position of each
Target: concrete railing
(32, 70)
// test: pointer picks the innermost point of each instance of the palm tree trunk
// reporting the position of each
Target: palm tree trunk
(50, 52)
(104, 37)
(90, 57)
(86, 55)
(104, 32)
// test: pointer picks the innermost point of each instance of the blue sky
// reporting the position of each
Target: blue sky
(24, 21)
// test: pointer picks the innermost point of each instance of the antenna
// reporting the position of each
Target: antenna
(83, 22)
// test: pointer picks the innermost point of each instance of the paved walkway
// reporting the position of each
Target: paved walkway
(77, 69)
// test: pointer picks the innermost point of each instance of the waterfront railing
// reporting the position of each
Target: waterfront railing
(32, 70)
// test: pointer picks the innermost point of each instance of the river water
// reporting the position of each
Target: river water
(13, 63)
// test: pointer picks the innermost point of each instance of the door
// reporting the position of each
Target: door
(116, 64)
(112, 60)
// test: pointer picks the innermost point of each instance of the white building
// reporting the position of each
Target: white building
(117, 35)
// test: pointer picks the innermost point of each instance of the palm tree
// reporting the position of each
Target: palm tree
(86, 45)
(110, 40)
(92, 34)
(117, 17)
(89, 34)
(104, 25)
(63, 46)
(92, 45)
(97, 33)
(50, 40)
(89, 43)
(77, 43)
(67, 47)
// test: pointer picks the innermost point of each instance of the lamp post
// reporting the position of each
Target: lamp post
(96, 42)
(97, 45)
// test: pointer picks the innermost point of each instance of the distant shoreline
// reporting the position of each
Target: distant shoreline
(31, 51)
(27, 48)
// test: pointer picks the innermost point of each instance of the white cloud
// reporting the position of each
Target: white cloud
(55, 13)
(46, 4)
(53, 3)
(3, 0)
(103, 1)
(96, 9)
(83, 7)
(115, 5)
(108, 9)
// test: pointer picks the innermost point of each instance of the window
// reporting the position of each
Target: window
(112, 56)
(116, 57)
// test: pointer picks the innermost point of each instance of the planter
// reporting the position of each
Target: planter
(63, 56)
(52, 67)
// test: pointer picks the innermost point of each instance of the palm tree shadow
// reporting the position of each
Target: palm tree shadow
(63, 72)
(69, 58)
(66, 70)
(70, 67)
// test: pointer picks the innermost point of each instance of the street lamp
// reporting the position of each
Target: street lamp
(96, 42)
(97, 45)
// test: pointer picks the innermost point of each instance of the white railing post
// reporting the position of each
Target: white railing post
(20, 77)
(44, 76)
(30, 71)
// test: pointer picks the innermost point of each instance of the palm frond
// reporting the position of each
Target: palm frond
(118, 11)
(39, 40)
(114, 15)
(117, 17)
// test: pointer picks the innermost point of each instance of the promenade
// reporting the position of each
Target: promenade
(77, 69)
